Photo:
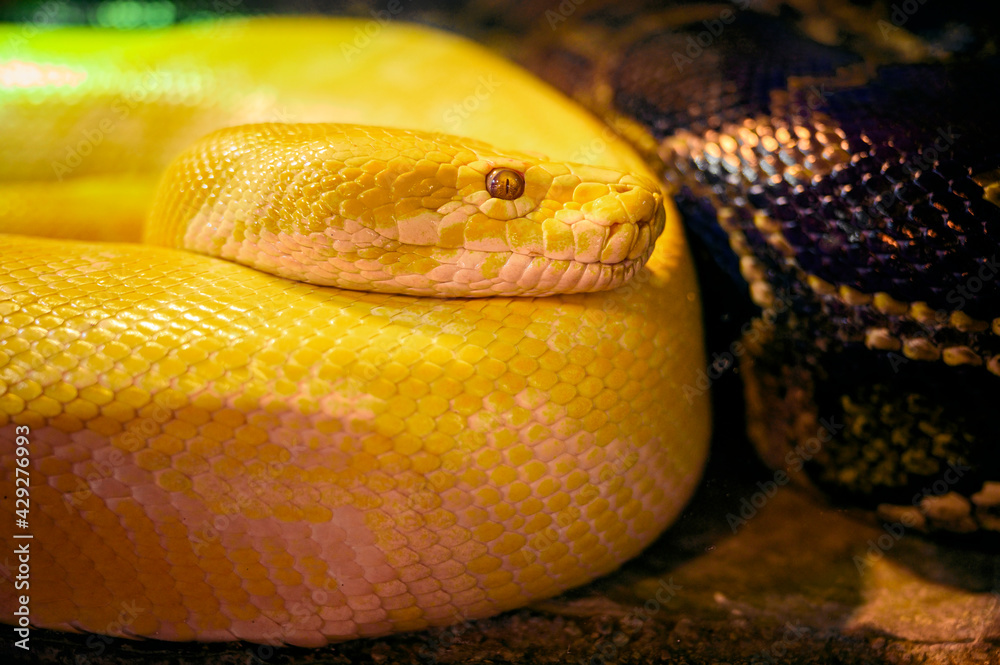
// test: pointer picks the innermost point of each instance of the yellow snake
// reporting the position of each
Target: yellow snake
(331, 434)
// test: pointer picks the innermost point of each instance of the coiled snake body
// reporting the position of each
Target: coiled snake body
(237, 455)
(837, 164)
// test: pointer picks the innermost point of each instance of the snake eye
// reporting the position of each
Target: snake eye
(505, 184)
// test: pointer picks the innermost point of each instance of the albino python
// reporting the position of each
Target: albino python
(292, 416)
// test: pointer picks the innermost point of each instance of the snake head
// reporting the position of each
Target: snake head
(398, 211)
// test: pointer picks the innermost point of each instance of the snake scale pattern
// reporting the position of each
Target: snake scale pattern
(849, 190)
(249, 457)
(838, 165)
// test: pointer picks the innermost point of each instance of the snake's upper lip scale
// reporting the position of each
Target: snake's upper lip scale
(631, 239)
(585, 242)
(626, 241)
(614, 225)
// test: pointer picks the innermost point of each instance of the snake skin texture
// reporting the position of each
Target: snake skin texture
(851, 192)
(398, 211)
(227, 454)
(284, 463)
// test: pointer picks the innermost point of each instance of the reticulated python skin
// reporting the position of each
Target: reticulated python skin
(231, 455)
(851, 193)
(287, 463)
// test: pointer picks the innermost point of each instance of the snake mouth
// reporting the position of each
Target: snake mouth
(590, 250)
(619, 228)
(626, 242)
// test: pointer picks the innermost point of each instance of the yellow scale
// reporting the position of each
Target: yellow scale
(218, 453)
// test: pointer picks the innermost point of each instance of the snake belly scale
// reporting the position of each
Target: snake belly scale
(240, 455)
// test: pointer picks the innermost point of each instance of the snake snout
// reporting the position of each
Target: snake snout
(627, 216)
(633, 206)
